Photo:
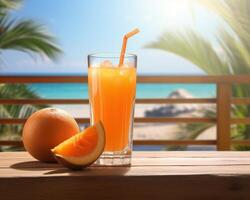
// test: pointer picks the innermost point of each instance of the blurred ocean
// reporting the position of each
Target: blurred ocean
(72, 91)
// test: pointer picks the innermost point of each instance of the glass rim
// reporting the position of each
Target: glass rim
(111, 55)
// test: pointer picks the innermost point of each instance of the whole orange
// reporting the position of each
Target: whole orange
(45, 129)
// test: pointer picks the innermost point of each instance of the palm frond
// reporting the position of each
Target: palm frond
(10, 4)
(236, 14)
(27, 36)
(237, 55)
(16, 91)
(4, 113)
(193, 47)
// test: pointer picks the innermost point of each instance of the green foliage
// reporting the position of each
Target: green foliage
(234, 41)
(26, 36)
(16, 91)
(6, 5)
(193, 47)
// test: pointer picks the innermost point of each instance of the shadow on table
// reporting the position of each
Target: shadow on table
(34, 166)
(54, 168)
(93, 171)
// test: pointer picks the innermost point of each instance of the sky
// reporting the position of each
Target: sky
(83, 27)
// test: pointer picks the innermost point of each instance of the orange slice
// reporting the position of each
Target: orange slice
(82, 149)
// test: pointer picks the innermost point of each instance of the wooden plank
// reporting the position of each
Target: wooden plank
(195, 79)
(137, 162)
(19, 156)
(240, 121)
(223, 116)
(44, 101)
(166, 158)
(175, 101)
(12, 121)
(174, 142)
(174, 120)
(33, 169)
(43, 79)
(86, 101)
(160, 176)
(22, 121)
(153, 154)
(140, 79)
(16, 161)
(135, 187)
(11, 143)
(136, 142)
(241, 142)
(137, 120)
(181, 154)
(240, 101)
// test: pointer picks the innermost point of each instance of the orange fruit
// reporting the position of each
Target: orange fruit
(82, 149)
(45, 129)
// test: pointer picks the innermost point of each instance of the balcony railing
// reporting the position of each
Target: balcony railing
(223, 102)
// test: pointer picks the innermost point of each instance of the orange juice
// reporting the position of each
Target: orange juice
(112, 96)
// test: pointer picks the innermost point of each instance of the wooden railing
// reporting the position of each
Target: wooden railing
(223, 102)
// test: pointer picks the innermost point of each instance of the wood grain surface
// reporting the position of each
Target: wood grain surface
(153, 175)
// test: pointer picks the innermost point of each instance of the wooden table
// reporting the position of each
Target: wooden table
(153, 175)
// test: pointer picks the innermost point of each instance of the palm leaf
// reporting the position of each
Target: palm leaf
(5, 5)
(236, 53)
(4, 112)
(16, 91)
(193, 47)
(236, 14)
(27, 36)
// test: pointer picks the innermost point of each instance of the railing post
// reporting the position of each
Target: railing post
(224, 93)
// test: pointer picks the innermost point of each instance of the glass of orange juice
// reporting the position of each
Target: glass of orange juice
(112, 97)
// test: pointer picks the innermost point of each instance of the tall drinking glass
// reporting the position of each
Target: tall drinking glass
(112, 97)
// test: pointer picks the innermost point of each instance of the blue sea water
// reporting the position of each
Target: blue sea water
(71, 91)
